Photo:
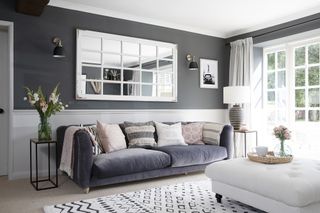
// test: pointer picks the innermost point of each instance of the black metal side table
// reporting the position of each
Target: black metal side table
(245, 132)
(35, 183)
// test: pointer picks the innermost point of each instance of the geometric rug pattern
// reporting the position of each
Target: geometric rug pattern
(188, 197)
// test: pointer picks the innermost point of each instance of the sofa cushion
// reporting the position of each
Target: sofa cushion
(140, 136)
(169, 135)
(212, 132)
(111, 137)
(128, 161)
(194, 154)
(192, 133)
(126, 124)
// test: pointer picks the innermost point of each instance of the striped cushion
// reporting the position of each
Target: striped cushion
(93, 132)
(140, 136)
(211, 133)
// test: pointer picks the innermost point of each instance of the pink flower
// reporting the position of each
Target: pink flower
(287, 136)
(282, 132)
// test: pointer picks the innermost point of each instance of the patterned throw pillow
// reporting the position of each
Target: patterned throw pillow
(192, 133)
(140, 134)
(111, 137)
(169, 135)
(211, 133)
(97, 146)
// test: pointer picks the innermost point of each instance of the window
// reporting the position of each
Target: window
(113, 67)
(307, 83)
(276, 86)
(292, 94)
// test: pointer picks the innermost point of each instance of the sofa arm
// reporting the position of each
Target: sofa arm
(226, 140)
(83, 158)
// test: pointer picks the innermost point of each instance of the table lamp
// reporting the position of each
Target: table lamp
(236, 95)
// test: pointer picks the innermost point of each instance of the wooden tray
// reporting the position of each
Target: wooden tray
(269, 158)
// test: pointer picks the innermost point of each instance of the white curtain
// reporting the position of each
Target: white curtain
(241, 67)
(241, 62)
(134, 89)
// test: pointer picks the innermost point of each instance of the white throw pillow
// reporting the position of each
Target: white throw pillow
(169, 135)
(111, 137)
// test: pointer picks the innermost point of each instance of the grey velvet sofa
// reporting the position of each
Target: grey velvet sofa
(135, 164)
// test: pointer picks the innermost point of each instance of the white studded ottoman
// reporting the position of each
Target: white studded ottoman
(279, 188)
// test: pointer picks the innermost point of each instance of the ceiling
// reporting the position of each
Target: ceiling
(221, 18)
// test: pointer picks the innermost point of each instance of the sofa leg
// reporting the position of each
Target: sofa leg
(218, 197)
(86, 190)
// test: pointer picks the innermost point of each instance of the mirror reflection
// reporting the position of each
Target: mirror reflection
(91, 43)
(131, 48)
(111, 46)
(111, 60)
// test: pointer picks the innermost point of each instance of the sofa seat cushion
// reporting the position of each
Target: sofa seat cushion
(194, 154)
(128, 161)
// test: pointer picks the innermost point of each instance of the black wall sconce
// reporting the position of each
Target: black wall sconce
(193, 65)
(58, 51)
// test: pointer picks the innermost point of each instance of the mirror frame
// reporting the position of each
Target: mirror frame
(81, 34)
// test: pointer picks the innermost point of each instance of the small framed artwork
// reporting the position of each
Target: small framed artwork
(208, 73)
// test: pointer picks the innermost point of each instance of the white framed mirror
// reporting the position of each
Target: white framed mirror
(114, 67)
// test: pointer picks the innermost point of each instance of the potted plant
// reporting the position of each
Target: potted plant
(46, 108)
(283, 134)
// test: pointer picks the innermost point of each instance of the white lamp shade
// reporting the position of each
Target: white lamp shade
(236, 94)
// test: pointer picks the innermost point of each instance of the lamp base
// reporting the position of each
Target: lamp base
(236, 116)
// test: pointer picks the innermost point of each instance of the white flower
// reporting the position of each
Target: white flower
(66, 105)
(62, 107)
(54, 101)
(36, 96)
(32, 102)
(53, 98)
(44, 108)
(25, 98)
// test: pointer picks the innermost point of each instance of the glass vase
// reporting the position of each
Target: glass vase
(44, 129)
(282, 149)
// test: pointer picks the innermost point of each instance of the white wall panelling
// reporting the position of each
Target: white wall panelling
(25, 126)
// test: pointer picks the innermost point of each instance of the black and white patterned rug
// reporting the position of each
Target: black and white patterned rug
(189, 197)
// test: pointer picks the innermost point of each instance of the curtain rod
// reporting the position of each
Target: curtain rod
(283, 28)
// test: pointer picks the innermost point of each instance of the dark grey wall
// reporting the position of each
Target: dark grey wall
(282, 30)
(34, 64)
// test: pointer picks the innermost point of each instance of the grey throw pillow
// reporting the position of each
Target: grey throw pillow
(140, 134)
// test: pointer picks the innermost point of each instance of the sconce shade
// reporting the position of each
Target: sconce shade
(58, 52)
(193, 65)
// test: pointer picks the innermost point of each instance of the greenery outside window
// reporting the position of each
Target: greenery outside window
(307, 82)
(276, 86)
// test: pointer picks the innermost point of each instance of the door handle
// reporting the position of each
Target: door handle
(1, 111)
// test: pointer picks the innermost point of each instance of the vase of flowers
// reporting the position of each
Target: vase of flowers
(45, 107)
(283, 134)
